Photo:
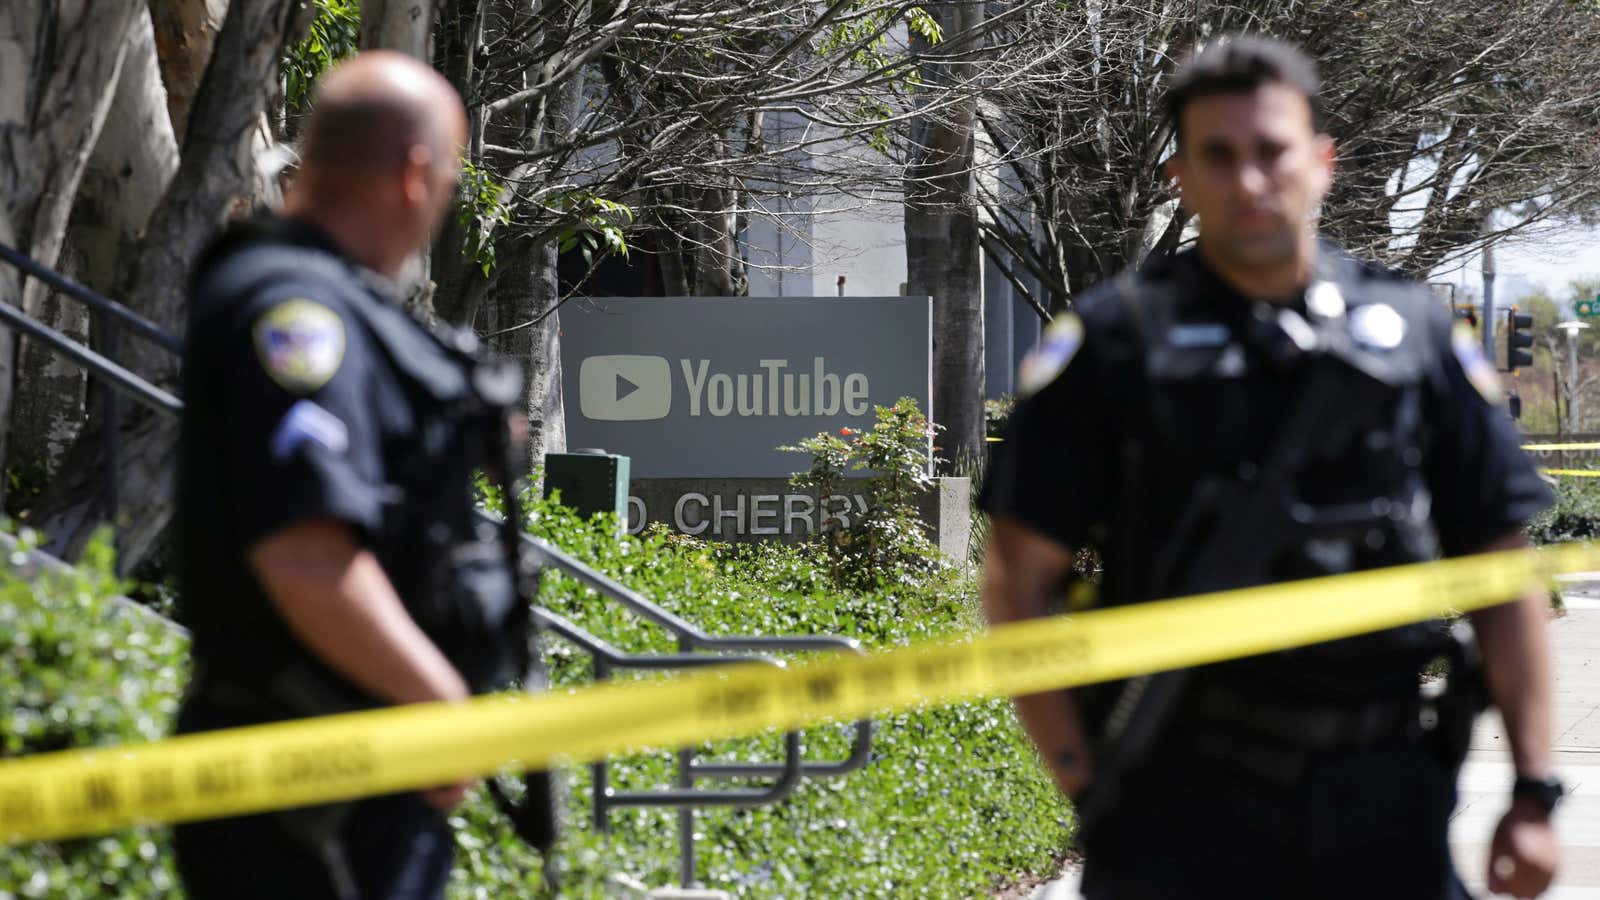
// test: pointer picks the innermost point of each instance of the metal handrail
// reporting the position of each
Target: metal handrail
(115, 376)
(96, 301)
(111, 315)
(788, 773)
(691, 637)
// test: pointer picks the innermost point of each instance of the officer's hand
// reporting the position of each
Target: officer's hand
(1073, 773)
(445, 797)
(1524, 854)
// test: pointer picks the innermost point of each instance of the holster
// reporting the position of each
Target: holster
(1451, 706)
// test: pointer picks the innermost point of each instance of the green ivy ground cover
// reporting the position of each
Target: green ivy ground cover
(1575, 516)
(952, 804)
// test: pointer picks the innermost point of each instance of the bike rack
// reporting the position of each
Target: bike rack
(696, 647)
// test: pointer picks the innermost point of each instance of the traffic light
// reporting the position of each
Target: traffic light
(1518, 340)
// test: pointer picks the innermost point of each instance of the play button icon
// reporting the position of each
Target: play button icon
(625, 388)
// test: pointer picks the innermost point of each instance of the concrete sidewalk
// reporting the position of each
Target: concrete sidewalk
(1486, 778)
(1487, 775)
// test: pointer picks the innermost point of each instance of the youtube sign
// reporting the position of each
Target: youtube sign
(711, 387)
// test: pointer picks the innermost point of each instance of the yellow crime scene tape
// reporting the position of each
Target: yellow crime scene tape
(1541, 448)
(81, 792)
(1572, 473)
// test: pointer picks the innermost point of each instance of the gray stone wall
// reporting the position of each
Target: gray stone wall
(754, 509)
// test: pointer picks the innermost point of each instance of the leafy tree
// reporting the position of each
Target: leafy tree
(1456, 124)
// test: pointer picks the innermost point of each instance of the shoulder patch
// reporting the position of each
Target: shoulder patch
(1057, 346)
(308, 423)
(1477, 366)
(300, 344)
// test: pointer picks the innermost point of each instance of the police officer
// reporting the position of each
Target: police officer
(330, 559)
(1262, 408)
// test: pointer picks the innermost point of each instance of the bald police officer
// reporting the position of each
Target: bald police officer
(329, 556)
(1264, 408)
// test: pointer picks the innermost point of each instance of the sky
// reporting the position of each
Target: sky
(1547, 262)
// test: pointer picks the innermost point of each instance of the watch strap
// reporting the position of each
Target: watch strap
(1546, 792)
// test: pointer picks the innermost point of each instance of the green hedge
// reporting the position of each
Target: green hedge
(952, 804)
(1575, 515)
(76, 670)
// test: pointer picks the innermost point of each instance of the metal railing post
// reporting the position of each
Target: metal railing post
(600, 771)
(686, 822)
(111, 416)
(686, 812)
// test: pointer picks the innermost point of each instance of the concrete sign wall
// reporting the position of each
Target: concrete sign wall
(752, 509)
(710, 386)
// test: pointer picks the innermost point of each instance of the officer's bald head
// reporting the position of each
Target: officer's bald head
(380, 156)
(373, 110)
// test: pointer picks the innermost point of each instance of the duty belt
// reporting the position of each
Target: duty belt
(1303, 727)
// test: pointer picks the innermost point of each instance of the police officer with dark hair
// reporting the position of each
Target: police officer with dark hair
(1264, 408)
(329, 555)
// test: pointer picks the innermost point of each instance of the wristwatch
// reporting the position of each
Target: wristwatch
(1545, 793)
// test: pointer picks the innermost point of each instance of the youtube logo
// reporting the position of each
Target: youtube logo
(625, 388)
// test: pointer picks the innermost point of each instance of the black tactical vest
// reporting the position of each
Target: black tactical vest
(447, 564)
(448, 567)
(1268, 444)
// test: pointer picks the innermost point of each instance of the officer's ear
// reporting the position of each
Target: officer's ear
(1173, 170)
(1327, 156)
(416, 175)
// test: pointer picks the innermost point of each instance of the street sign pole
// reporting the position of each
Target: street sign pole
(1572, 328)
(1488, 295)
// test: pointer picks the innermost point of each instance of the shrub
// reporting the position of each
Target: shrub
(1574, 517)
(997, 415)
(887, 542)
(77, 670)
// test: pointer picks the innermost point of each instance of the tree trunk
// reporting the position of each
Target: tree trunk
(217, 179)
(133, 162)
(715, 239)
(403, 25)
(527, 285)
(47, 415)
(943, 259)
(58, 63)
(133, 159)
(185, 31)
(525, 288)
(459, 285)
(669, 247)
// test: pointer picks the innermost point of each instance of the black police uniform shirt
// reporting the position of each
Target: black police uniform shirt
(293, 414)
(1061, 468)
